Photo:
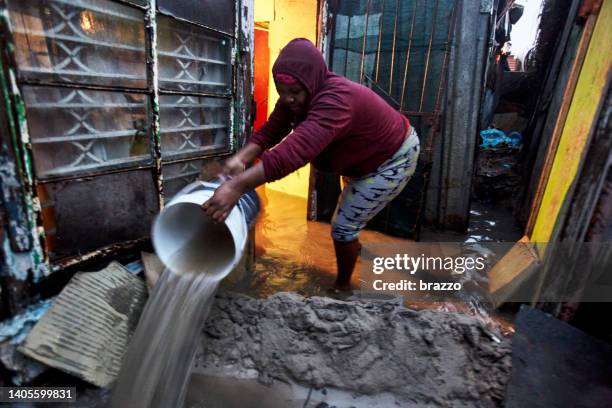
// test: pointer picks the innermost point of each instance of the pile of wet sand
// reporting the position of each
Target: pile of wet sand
(423, 358)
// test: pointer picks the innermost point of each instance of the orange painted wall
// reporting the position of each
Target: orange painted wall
(262, 72)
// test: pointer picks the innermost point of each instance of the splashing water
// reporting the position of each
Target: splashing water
(156, 367)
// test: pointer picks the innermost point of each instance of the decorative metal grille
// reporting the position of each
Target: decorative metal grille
(217, 14)
(100, 42)
(178, 175)
(76, 130)
(192, 58)
(193, 125)
(89, 89)
(85, 41)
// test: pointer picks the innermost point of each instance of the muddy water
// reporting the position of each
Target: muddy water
(296, 255)
(156, 367)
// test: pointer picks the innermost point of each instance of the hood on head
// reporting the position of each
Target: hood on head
(305, 62)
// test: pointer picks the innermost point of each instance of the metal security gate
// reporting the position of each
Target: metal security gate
(111, 107)
(400, 49)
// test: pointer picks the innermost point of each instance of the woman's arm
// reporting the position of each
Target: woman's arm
(276, 127)
(238, 162)
(249, 152)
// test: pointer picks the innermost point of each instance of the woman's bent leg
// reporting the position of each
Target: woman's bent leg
(363, 198)
(346, 257)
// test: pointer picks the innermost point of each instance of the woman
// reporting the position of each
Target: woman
(340, 127)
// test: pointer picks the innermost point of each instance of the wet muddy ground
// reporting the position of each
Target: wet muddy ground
(295, 255)
(302, 350)
(349, 354)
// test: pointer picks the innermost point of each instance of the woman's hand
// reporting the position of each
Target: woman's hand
(221, 203)
(233, 166)
(227, 194)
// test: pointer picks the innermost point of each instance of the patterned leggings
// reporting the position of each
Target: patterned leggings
(362, 198)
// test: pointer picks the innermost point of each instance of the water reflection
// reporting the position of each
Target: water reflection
(293, 254)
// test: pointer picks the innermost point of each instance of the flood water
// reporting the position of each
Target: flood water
(293, 254)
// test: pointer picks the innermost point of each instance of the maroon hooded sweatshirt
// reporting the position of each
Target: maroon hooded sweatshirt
(348, 129)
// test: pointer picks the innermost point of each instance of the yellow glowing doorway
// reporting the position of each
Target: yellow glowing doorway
(287, 19)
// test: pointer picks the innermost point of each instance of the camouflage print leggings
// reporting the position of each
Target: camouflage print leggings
(362, 198)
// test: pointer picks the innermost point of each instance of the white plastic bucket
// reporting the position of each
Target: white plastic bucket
(188, 241)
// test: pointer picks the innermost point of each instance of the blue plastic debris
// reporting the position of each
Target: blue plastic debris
(12, 333)
(515, 139)
(491, 137)
(496, 137)
(134, 267)
(17, 328)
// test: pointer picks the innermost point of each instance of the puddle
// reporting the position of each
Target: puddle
(296, 255)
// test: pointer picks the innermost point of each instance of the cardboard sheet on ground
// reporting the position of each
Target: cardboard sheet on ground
(86, 331)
